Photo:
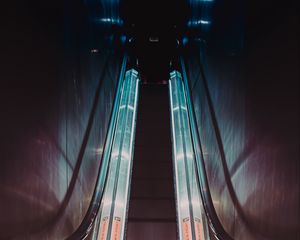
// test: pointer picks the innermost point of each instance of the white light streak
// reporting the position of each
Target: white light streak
(198, 22)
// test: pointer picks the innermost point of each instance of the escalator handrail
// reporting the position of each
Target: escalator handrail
(202, 179)
(87, 223)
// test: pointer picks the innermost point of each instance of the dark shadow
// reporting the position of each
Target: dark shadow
(51, 223)
(226, 172)
(247, 150)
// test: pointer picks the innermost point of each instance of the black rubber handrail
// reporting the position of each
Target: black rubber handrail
(87, 223)
(214, 223)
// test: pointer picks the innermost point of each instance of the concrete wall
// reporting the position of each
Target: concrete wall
(248, 58)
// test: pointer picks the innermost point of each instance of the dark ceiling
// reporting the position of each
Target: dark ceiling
(154, 25)
(155, 16)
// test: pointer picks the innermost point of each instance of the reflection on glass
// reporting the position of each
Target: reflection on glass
(190, 215)
(115, 200)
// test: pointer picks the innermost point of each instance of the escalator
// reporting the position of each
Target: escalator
(191, 218)
(152, 213)
(92, 149)
(115, 201)
(167, 187)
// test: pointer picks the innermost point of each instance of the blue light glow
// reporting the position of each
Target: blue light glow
(115, 200)
(114, 21)
(123, 38)
(185, 40)
(197, 22)
(190, 214)
(197, 2)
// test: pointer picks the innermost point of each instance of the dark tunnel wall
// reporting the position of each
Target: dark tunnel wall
(248, 119)
(57, 90)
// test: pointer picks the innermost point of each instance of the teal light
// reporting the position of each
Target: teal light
(196, 23)
(112, 21)
(190, 215)
(115, 202)
(185, 41)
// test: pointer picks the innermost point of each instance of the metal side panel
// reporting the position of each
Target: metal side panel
(113, 212)
(190, 216)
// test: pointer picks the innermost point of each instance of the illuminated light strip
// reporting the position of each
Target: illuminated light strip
(175, 157)
(189, 213)
(177, 108)
(182, 156)
(197, 22)
(196, 143)
(131, 108)
(184, 108)
(122, 195)
(115, 202)
(181, 190)
(127, 106)
(110, 20)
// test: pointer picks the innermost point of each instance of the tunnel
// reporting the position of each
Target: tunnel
(150, 120)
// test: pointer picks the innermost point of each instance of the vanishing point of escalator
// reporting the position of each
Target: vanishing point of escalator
(152, 213)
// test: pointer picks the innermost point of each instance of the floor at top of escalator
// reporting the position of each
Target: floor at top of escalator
(152, 214)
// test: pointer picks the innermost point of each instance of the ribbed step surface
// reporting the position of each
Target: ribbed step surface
(152, 214)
